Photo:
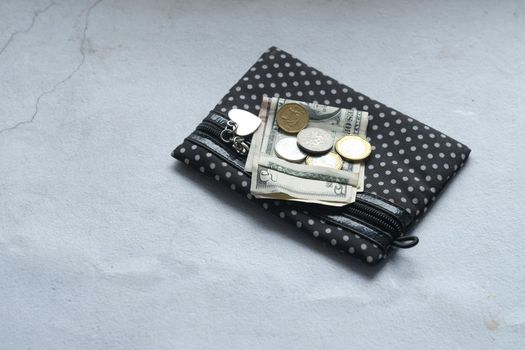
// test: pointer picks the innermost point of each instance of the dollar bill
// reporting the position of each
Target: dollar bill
(268, 181)
(285, 197)
(273, 177)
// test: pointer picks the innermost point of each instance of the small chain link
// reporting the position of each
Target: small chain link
(228, 135)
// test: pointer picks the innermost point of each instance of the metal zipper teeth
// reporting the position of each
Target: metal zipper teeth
(210, 129)
(384, 216)
(375, 217)
(214, 129)
(364, 211)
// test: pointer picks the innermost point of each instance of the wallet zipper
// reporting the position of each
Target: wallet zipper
(377, 217)
(211, 129)
(359, 209)
(214, 129)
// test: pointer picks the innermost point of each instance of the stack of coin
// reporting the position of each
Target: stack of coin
(315, 144)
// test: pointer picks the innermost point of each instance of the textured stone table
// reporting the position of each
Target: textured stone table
(107, 243)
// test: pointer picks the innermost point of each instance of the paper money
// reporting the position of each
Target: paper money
(338, 121)
(268, 181)
(274, 177)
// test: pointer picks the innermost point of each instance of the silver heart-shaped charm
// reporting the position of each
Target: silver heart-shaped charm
(247, 122)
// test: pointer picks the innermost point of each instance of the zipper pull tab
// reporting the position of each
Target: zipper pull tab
(240, 146)
(229, 135)
(405, 242)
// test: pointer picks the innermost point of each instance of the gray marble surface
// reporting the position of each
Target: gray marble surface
(106, 243)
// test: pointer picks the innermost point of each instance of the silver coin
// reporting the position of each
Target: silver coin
(315, 140)
(329, 160)
(287, 149)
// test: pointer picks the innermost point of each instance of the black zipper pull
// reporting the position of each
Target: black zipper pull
(405, 242)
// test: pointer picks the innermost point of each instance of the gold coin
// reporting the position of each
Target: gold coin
(353, 147)
(292, 117)
(329, 160)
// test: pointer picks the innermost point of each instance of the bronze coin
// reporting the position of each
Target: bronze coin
(292, 117)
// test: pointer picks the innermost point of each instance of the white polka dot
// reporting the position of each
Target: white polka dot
(333, 241)
(228, 174)
(182, 150)
(316, 233)
(328, 230)
(310, 222)
(299, 224)
(369, 259)
(282, 215)
(232, 186)
(363, 246)
(351, 250)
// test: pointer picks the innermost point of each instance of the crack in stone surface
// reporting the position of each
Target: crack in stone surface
(68, 77)
(28, 29)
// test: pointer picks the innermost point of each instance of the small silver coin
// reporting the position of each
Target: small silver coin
(329, 160)
(315, 140)
(287, 149)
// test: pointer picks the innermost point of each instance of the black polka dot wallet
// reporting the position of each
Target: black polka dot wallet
(402, 164)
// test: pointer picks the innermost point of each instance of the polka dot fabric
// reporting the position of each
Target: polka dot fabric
(409, 166)
(196, 155)
(410, 162)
